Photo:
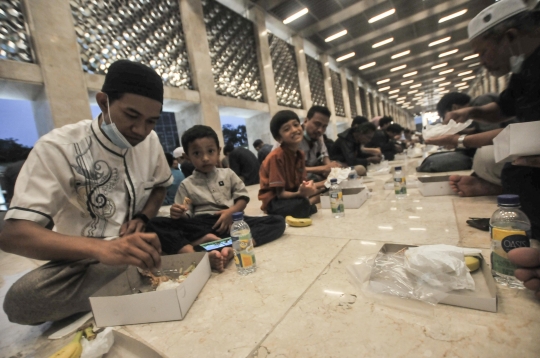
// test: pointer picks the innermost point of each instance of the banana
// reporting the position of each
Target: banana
(89, 333)
(297, 222)
(473, 263)
(72, 350)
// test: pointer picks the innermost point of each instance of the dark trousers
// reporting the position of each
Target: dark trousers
(177, 233)
(296, 207)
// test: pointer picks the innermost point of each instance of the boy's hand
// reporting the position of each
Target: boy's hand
(224, 222)
(132, 226)
(178, 211)
(307, 189)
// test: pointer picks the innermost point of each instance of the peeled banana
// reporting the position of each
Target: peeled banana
(72, 350)
(297, 222)
(473, 263)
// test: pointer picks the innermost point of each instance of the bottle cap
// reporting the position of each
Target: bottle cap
(397, 168)
(238, 216)
(332, 181)
(508, 200)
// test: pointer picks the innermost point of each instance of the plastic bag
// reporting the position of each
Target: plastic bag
(439, 129)
(340, 174)
(390, 274)
(101, 345)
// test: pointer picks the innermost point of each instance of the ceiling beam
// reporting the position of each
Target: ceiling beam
(269, 4)
(419, 16)
(340, 16)
(407, 45)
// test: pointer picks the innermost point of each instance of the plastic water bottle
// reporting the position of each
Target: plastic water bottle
(336, 199)
(352, 174)
(400, 183)
(509, 228)
(244, 255)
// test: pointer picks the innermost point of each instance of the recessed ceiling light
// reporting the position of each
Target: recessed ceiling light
(416, 85)
(402, 98)
(410, 74)
(383, 81)
(400, 102)
(401, 54)
(384, 89)
(446, 71)
(383, 42)
(444, 84)
(394, 91)
(407, 82)
(463, 87)
(344, 57)
(296, 16)
(474, 64)
(434, 43)
(445, 91)
(448, 53)
(336, 36)
(470, 57)
(411, 92)
(382, 16)
(398, 68)
(439, 79)
(394, 96)
(452, 16)
(367, 65)
(464, 73)
(461, 84)
(439, 66)
(469, 78)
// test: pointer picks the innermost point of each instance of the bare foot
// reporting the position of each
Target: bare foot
(219, 260)
(205, 238)
(528, 259)
(473, 186)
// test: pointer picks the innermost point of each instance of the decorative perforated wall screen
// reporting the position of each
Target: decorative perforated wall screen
(285, 72)
(338, 93)
(233, 51)
(167, 132)
(363, 101)
(316, 81)
(14, 44)
(146, 31)
(352, 98)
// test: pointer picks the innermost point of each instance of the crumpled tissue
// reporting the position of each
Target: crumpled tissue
(439, 129)
(101, 345)
(340, 174)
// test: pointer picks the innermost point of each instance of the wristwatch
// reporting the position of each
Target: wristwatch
(460, 140)
(141, 216)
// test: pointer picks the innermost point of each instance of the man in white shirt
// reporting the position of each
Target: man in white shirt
(95, 184)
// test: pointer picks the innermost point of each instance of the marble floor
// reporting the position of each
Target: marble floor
(301, 302)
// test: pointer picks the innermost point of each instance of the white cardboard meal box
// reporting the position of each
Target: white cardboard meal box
(484, 296)
(353, 198)
(435, 186)
(516, 140)
(116, 304)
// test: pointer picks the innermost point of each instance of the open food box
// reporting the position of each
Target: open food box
(516, 140)
(353, 198)
(435, 186)
(130, 298)
(483, 298)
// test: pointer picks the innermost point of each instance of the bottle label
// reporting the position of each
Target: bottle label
(400, 186)
(503, 241)
(336, 202)
(244, 255)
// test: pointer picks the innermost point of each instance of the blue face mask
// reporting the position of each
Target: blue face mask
(112, 132)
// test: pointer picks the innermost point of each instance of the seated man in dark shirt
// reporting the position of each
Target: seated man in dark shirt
(385, 140)
(347, 148)
(262, 150)
(244, 163)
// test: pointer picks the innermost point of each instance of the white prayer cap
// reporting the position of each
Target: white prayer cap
(494, 15)
(178, 152)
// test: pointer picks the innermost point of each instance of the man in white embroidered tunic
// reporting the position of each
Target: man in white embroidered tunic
(83, 199)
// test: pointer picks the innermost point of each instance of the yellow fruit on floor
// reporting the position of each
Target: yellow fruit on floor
(72, 350)
(297, 222)
(473, 263)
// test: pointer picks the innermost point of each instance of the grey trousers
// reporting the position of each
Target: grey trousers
(57, 290)
(485, 167)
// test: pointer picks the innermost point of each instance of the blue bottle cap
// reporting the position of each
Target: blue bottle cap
(332, 181)
(238, 216)
(508, 200)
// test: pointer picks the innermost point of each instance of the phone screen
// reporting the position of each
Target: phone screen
(218, 244)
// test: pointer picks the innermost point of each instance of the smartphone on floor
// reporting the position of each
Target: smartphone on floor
(216, 245)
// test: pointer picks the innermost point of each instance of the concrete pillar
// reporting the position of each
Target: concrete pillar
(369, 110)
(199, 61)
(303, 77)
(357, 100)
(501, 83)
(332, 129)
(65, 99)
(493, 84)
(345, 91)
(265, 60)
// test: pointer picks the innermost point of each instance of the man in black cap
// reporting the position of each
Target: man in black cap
(83, 198)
